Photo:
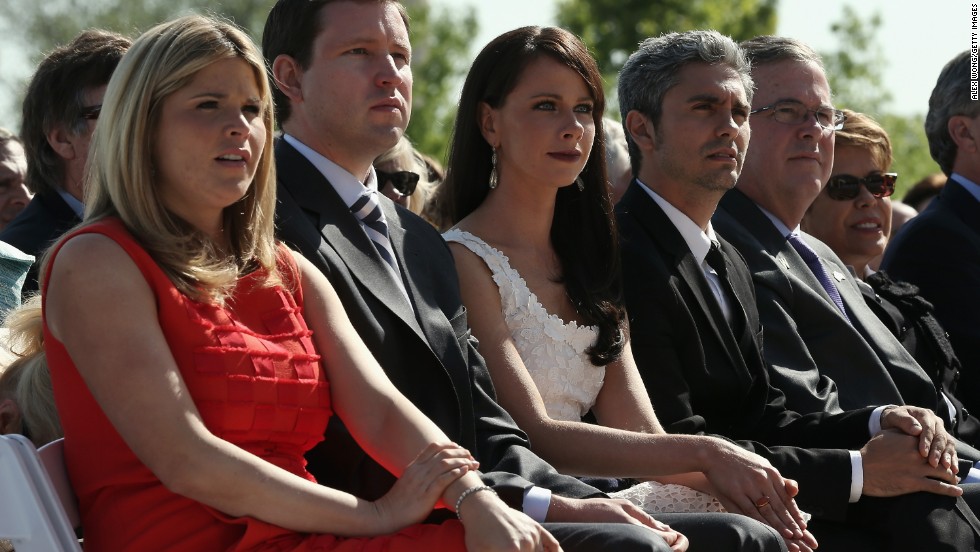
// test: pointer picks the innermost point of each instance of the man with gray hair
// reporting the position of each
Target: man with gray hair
(60, 109)
(939, 250)
(695, 328)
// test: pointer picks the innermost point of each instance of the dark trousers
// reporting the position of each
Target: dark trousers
(706, 533)
(908, 523)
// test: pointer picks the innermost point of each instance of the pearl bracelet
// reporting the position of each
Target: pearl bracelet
(468, 492)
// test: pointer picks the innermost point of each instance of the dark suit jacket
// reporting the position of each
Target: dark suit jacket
(42, 222)
(939, 251)
(704, 378)
(811, 348)
(431, 357)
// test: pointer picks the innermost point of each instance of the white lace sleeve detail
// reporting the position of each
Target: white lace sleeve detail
(661, 498)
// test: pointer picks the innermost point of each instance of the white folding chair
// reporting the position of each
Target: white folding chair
(32, 516)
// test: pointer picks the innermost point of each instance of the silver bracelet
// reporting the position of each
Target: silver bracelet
(468, 492)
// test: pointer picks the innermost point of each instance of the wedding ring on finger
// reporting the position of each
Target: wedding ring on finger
(762, 502)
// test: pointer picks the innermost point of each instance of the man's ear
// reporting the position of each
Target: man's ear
(10, 421)
(486, 118)
(288, 75)
(964, 131)
(62, 141)
(641, 130)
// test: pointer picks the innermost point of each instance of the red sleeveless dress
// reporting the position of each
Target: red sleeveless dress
(255, 376)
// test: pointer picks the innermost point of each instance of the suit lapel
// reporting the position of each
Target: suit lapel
(339, 228)
(755, 221)
(412, 258)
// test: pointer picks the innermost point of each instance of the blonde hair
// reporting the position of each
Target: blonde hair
(405, 152)
(121, 179)
(26, 380)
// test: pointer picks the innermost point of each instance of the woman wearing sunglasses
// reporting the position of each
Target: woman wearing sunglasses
(401, 172)
(853, 215)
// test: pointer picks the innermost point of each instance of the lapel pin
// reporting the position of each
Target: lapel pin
(838, 276)
(784, 262)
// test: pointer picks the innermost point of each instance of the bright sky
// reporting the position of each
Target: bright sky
(918, 38)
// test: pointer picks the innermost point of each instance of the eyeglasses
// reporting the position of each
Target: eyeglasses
(90, 113)
(403, 181)
(794, 113)
(844, 187)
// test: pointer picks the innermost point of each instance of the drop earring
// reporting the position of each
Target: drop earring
(580, 183)
(493, 169)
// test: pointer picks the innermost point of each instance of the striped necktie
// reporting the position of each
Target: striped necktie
(368, 211)
(818, 270)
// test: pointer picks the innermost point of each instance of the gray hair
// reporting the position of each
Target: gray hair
(949, 98)
(652, 70)
(771, 49)
(7, 136)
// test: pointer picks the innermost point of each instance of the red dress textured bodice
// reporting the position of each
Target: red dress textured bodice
(255, 376)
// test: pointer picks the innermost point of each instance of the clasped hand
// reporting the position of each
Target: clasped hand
(746, 483)
(935, 444)
(896, 463)
(413, 496)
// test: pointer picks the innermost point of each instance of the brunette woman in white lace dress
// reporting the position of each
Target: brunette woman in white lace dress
(535, 247)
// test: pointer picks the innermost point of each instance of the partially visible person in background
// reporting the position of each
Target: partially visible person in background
(403, 176)
(939, 250)
(26, 401)
(921, 194)
(61, 107)
(618, 170)
(901, 213)
(434, 210)
(14, 195)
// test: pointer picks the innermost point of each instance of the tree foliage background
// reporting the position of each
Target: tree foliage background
(440, 39)
(613, 28)
(855, 72)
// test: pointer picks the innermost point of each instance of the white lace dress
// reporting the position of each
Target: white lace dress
(554, 355)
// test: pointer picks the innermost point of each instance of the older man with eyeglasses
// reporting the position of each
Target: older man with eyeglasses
(826, 349)
(61, 106)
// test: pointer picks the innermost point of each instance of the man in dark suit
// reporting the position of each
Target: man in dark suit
(939, 250)
(826, 349)
(343, 94)
(695, 328)
(59, 113)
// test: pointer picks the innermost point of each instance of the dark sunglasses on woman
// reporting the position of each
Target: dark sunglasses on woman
(403, 181)
(844, 187)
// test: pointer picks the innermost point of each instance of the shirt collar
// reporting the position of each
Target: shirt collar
(698, 241)
(77, 206)
(346, 185)
(783, 229)
(970, 185)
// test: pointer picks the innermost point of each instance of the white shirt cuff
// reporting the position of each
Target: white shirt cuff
(874, 423)
(536, 503)
(972, 476)
(857, 476)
